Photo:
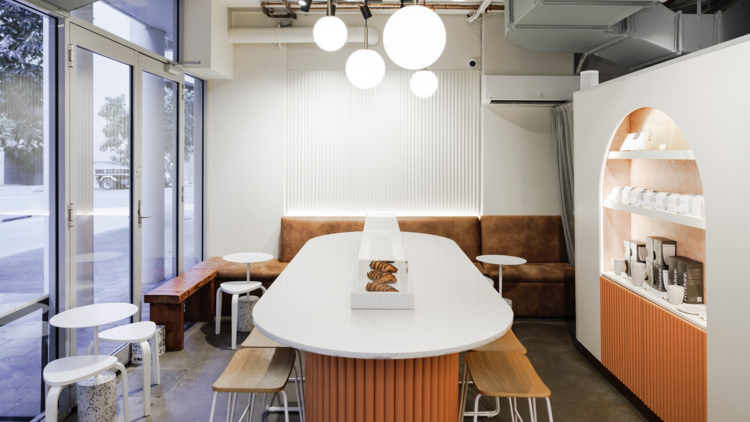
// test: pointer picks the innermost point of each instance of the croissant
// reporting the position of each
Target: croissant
(383, 266)
(381, 276)
(378, 286)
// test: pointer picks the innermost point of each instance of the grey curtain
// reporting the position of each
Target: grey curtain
(562, 120)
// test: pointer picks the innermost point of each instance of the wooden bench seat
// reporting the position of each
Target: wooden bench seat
(187, 297)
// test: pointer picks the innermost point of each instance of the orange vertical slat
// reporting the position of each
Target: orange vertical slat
(369, 390)
(360, 389)
(398, 391)
(418, 389)
(331, 390)
(427, 390)
(379, 390)
(390, 382)
(351, 388)
(442, 403)
(410, 388)
(341, 393)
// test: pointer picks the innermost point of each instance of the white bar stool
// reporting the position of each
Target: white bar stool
(234, 288)
(142, 333)
(65, 371)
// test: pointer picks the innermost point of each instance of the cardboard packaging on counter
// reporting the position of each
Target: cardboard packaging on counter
(687, 273)
(635, 251)
(659, 249)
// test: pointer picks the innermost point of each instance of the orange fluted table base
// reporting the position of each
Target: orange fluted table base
(377, 390)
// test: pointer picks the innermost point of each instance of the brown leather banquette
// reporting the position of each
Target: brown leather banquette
(545, 285)
(542, 287)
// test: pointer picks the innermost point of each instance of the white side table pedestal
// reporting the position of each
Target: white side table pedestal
(245, 313)
(501, 260)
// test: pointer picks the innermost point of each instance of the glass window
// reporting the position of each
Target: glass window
(26, 137)
(192, 189)
(150, 24)
(103, 145)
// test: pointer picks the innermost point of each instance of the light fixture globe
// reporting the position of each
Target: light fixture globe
(365, 69)
(330, 33)
(423, 83)
(414, 37)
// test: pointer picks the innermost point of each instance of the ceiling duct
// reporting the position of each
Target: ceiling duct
(632, 33)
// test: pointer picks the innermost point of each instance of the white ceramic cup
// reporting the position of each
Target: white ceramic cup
(675, 294)
(618, 265)
(637, 273)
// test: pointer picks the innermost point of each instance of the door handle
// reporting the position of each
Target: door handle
(141, 216)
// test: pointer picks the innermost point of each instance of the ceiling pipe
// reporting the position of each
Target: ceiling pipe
(383, 6)
(295, 35)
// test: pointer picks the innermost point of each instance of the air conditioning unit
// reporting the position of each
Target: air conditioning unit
(543, 90)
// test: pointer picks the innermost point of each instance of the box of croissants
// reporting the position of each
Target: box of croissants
(382, 281)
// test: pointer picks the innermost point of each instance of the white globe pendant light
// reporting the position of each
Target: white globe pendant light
(423, 83)
(414, 37)
(330, 32)
(365, 68)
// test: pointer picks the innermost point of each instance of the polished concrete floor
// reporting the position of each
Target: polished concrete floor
(579, 392)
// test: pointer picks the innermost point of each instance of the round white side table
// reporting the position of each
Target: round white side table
(501, 260)
(236, 288)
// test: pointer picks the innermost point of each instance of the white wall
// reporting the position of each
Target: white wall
(247, 119)
(714, 121)
(518, 162)
(245, 153)
(518, 168)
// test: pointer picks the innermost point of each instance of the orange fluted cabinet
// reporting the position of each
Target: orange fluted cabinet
(378, 390)
(659, 356)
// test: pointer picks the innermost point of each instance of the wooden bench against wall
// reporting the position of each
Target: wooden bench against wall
(189, 297)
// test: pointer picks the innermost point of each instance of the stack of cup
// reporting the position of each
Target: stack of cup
(675, 294)
(619, 266)
(638, 273)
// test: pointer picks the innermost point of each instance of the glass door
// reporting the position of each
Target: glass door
(160, 162)
(101, 176)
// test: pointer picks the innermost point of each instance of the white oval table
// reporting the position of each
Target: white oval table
(93, 316)
(381, 364)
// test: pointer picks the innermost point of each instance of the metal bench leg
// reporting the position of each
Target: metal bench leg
(232, 404)
(549, 409)
(476, 406)
(213, 406)
(286, 406)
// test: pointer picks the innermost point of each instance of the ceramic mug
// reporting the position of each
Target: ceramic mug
(675, 294)
(619, 265)
(638, 273)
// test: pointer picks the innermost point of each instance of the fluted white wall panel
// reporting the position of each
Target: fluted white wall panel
(351, 152)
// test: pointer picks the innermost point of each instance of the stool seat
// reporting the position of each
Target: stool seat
(257, 371)
(257, 339)
(240, 287)
(505, 375)
(72, 369)
(129, 333)
(507, 343)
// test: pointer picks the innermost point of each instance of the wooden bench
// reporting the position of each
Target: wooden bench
(188, 297)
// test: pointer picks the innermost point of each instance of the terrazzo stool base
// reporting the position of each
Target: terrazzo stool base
(161, 341)
(245, 313)
(97, 398)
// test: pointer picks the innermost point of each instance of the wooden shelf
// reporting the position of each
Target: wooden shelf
(653, 297)
(651, 155)
(684, 219)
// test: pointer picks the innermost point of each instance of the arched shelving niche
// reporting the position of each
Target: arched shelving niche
(665, 167)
